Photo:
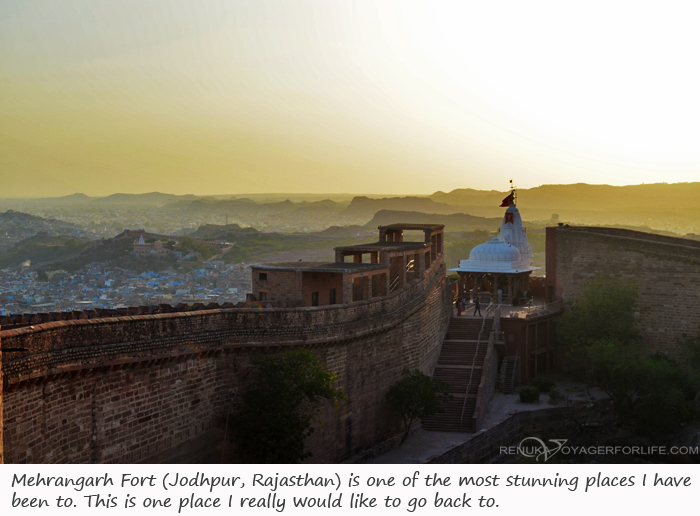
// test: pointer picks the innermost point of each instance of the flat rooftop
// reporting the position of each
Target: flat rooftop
(414, 227)
(384, 246)
(348, 267)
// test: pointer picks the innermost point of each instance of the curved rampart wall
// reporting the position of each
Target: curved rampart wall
(665, 269)
(159, 387)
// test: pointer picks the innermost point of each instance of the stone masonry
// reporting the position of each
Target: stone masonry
(160, 388)
(665, 269)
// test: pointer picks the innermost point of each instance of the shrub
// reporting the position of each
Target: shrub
(555, 396)
(282, 405)
(415, 396)
(543, 384)
(529, 394)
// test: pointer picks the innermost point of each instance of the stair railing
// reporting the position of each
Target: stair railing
(476, 354)
(515, 367)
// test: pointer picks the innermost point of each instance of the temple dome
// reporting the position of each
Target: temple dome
(509, 252)
(495, 250)
(494, 256)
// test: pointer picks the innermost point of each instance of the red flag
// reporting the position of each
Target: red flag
(507, 201)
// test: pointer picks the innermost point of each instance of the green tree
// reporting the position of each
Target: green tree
(602, 342)
(41, 275)
(282, 405)
(651, 389)
(416, 396)
(604, 312)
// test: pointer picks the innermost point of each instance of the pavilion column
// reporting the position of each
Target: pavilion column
(537, 357)
(527, 354)
(548, 350)
(347, 289)
(495, 287)
(511, 291)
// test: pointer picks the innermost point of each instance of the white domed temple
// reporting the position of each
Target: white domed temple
(505, 261)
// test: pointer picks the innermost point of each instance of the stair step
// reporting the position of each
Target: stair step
(460, 362)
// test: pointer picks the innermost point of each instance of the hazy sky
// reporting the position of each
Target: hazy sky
(353, 96)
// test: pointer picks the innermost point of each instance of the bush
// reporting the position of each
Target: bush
(604, 312)
(555, 396)
(543, 384)
(529, 394)
(653, 391)
(416, 396)
(282, 405)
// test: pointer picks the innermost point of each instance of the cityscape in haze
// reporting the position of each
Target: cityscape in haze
(79, 252)
(500, 195)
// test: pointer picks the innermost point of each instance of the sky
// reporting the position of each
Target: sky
(382, 97)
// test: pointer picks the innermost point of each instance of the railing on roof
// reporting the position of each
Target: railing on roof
(534, 310)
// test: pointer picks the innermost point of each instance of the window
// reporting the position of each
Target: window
(263, 276)
(262, 296)
(331, 296)
(314, 299)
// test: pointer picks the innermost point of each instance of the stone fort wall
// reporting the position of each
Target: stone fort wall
(158, 388)
(666, 270)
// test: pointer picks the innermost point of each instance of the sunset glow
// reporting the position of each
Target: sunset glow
(364, 97)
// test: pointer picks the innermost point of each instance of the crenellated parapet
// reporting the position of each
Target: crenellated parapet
(155, 387)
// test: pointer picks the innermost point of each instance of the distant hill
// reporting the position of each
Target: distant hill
(348, 232)
(324, 206)
(452, 222)
(77, 198)
(215, 231)
(16, 226)
(152, 198)
(42, 249)
(366, 207)
(653, 204)
(245, 206)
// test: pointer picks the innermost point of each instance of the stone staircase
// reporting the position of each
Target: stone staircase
(510, 374)
(455, 367)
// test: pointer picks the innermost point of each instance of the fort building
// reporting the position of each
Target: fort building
(506, 261)
(375, 270)
(511, 341)
(159, 384)
(666, 271)
(142, 248)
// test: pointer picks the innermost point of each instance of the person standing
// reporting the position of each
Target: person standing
(477, 306)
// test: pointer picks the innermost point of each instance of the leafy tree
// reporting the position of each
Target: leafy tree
(282, 405)
(604, 312)
(529, 394)
(416, 396)
(41, 275)
(652, 390)
(603, 343)
(205, 251)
